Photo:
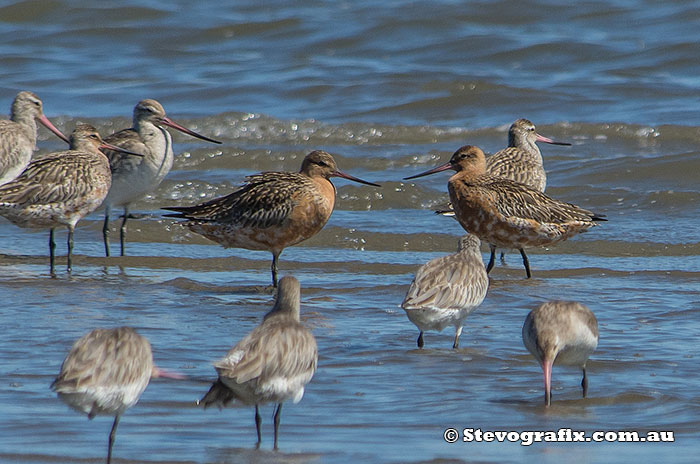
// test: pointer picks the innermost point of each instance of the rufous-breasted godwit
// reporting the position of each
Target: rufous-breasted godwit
(272, 210)
(520, 161)
(506, 213)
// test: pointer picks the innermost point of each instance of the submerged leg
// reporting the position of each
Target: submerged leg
(105, 230)
(111, 438)
(277, 423)
(526, 263)
(503, 257)
(458, 332)
(52, 252)
(584, 383)
(122, 230)
(257, 426)
(69, 268)
(420, 339)
(491, 259)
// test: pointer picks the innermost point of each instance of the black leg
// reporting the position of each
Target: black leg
(257, 426)
(275, 257)
(105, 230)
(526, 263)
(277, 423)
(503, 257)
(584, 383)
(458, 332)
(52, 252)
(70, 249)
(122, 231)
(111, 438)
(420, 339)
(491, 259)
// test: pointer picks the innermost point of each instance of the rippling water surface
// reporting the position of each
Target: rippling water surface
(391, 89)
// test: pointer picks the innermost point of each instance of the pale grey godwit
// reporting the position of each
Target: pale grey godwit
(272, 210)
(447, 289)
(272, 364)
(132, 178)
(105, 373)
(562, 332)
(521, 161)
(506, 213)
(18, 135)
(60, 188)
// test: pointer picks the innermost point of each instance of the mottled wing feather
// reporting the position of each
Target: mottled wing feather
(105, 358)
(513, 199)
(448, 282)
(512, 163)
(10, 144)
(122, 163)
(51, 179)
(271, 350)
(265, 200)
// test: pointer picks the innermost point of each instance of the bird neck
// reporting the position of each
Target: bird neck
(27, 122)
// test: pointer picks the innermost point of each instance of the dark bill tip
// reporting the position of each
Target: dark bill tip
(442, 167)
(354, 179)
(169, 122)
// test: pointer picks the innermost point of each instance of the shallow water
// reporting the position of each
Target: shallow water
(391, 90)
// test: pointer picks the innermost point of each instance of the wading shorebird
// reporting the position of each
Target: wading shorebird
(272, 364)
(446, 290)
(505, 213)
(18, 135)
(272, 210)
(60, 188)
(521, 161)
(562, 332)
(105, 373)
(132, 178)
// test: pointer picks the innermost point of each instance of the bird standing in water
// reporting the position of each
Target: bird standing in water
(132, 178)
(505, 213)
(105, 373)
(60, 188)
(562, 332)
(272, 210)
(272, 364)
(447, 289)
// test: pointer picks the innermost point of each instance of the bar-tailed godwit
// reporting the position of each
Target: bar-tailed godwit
(520, 161)
(18, 135)
(61, 188)
(505, 213)
(105, 373)
(562, 332)
(272, 364)
(132, 178)
(272, 210)
(447, 289)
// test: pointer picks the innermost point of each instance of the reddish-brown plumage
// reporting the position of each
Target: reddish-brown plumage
(506, 213)
(272, 210)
